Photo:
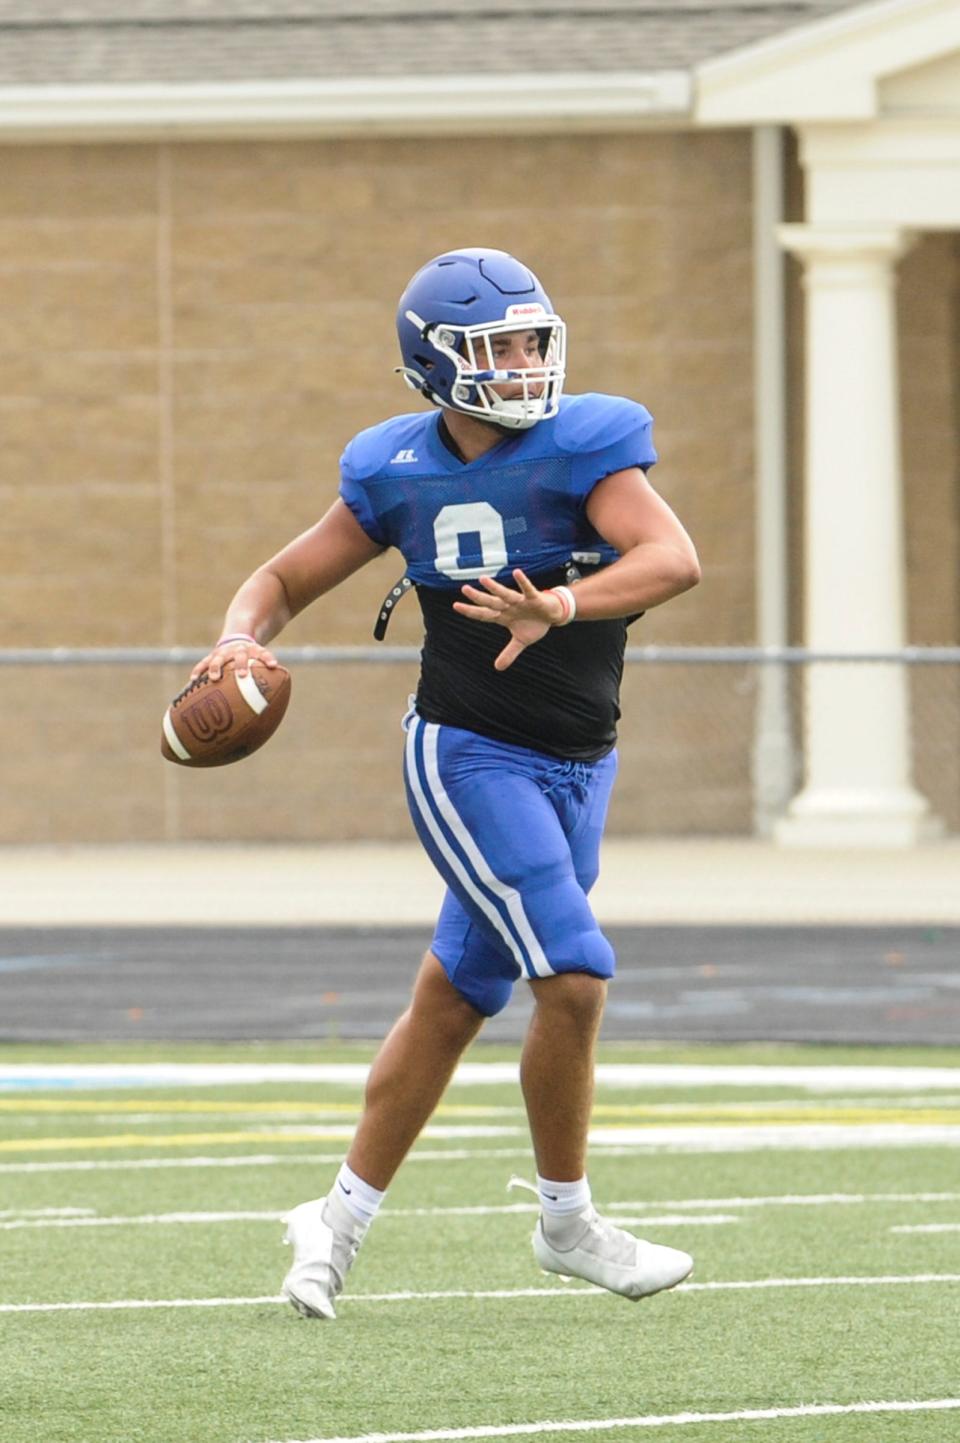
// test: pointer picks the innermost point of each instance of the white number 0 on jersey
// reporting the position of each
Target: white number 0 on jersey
(469, 519)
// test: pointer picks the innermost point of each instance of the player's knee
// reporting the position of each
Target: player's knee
(450, 1012)
(571, 1000)
(485, 996)
(587, 951)
(585, 954)
(597, 954)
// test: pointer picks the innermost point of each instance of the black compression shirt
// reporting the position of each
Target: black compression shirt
(560, 696)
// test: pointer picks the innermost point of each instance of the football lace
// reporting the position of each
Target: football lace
(191, 686)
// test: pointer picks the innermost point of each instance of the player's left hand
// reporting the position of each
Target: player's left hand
(527, 613)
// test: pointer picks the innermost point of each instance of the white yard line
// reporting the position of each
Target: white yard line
(689, 1138)
(826, 1078)
(141, 1220)
(612, 1142)
(790, 1200)
(270, 1160)
(928, 1228)
(173, 1219)
(644, 1219)
(762, 1137)
(601, 1425)
(567, 1293)
(689, 1212)
(892, 1279)
(292, 1116)
(47, 1212)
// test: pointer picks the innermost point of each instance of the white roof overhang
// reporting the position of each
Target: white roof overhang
(829, 70)
(536, 102)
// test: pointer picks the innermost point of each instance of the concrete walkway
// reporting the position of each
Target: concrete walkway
(657, 881)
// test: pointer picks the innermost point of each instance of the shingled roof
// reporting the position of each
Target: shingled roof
(131, 42)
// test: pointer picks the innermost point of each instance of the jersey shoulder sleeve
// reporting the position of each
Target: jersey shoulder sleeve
(364, 463)
(604, 434)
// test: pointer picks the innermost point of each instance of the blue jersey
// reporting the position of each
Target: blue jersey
(521, 504)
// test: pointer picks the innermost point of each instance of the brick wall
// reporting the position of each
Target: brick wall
(190, 333)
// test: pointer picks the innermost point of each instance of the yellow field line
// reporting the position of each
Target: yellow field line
(668, 1112)
(821, 1116)
(177, 1105)
(184, 1105)
(778, 1111)
(757, 1115)
(178, 1139)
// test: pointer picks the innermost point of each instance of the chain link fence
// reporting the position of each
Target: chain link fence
(712, 744)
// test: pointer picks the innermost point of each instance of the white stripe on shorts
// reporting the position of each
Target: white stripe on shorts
(507, 894)
(466, 881)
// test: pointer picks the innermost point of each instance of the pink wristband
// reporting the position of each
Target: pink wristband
(236, 636)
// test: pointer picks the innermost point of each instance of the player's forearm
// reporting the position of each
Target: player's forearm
(644, 577)
(261, 608)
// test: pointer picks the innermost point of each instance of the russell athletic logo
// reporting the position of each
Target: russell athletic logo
(403, 458)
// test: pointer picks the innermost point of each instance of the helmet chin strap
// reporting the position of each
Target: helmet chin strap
(514, 414)
(412, 378)
(510, 415)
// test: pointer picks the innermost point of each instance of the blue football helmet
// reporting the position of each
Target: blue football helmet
(445, 321)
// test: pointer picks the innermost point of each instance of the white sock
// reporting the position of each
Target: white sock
(357, 1196)
(561, 1198)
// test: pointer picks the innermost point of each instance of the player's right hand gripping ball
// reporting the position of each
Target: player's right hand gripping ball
(212, 723)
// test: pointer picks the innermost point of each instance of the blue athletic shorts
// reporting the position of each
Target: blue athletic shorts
(515, 834)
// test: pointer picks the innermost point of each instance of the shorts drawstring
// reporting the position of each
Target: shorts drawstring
(567, 774)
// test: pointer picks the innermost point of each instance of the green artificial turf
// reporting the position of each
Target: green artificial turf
(253, 1371)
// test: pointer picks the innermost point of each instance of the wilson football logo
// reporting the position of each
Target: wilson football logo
(209, 717)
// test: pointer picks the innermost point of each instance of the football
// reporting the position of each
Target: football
(213, 723)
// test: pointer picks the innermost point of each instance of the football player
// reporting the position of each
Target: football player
(532, 538)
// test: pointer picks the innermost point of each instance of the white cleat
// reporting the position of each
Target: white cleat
(325, 1238)
(601, 1253)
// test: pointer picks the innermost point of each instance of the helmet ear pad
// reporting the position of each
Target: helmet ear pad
(426, 365)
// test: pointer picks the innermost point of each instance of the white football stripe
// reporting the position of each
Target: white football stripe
(173, 741)
(251, 693)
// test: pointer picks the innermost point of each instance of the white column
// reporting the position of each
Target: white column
(857, 789)
(773, 765)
